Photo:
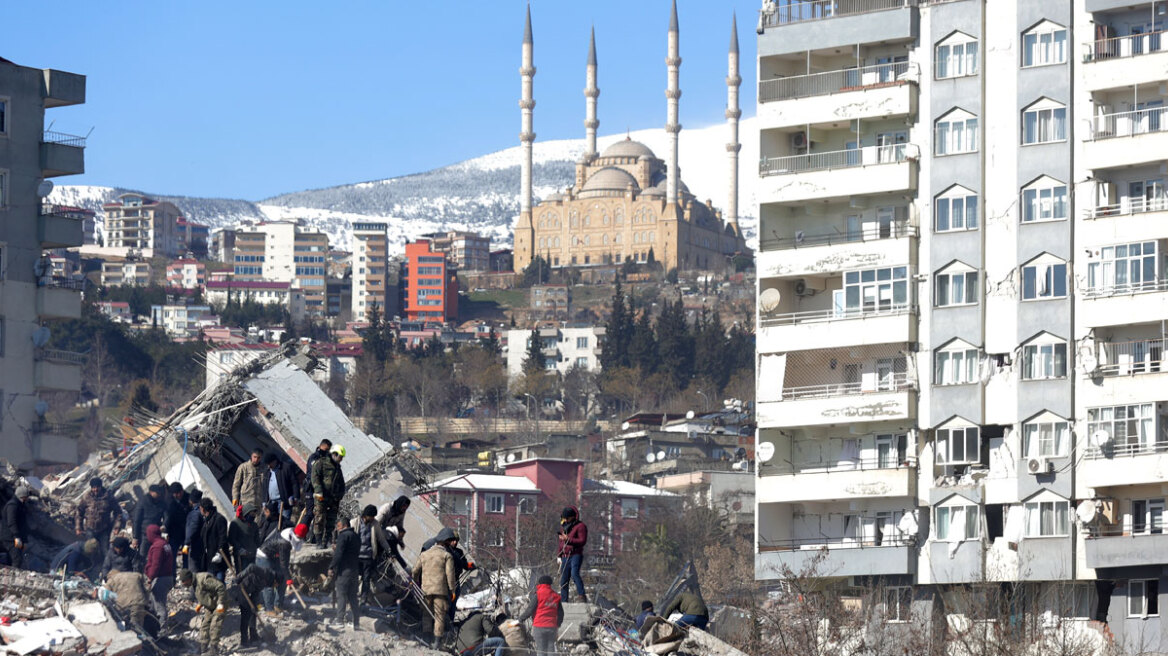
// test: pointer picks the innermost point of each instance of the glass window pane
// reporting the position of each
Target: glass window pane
(1028, 282)
(971, 213)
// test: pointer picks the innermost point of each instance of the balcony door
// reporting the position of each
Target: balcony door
(890, 146)
(1146, 195)
(1148, 118)
(1147, 516)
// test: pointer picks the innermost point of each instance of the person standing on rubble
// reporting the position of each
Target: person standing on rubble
(344, 570)
(435, 573)
(159, 569)
(374, 546)
(176, 517)
(306, 492)
(150, 510)
(214, 538)
(192, 549)
(98, 515)
(279, 488)
(328, 488)
(121, 557)
(573, 537)
(546, 613)
(395, 515)
(211, 595)
(245, 489)
(243, 536)
(275, 554)
(14, 526)
(252, 581)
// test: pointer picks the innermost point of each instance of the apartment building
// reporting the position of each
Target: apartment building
(191, 236)
(222, 244)
(282, 251)
(186, 274)
(128, 272)
(562, 346)
(468, 251)
(139, 223)
(32, 299)
(428, 284)
(369, 279)
(961, 302)
(180, 321)
(264, 292)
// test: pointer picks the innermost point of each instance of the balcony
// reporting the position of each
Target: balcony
(58, 227)
(62, 154)
(1132, 358)
(1109, 66)
(838, 174)
(58, 370)
(857, 479)
(1126, 138)
(819, 329)
(873, 244)
(1121, 546)
(62, 89)
(1124, 463)
(54, 443)
(827, 557)
(893, 398)
(878, 91)
(58, 298)
(1128, 303)
(805, 25)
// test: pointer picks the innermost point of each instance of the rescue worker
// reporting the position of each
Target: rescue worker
(306, 493)
(573, 536)
(79, 558)
(374, 546)
(344, 571)
(243, 537)
(159, 568)
(275, 554)
(646, 612)
(211, 595)
(150, 510)
(245, 488)
(252, 581)
(121, 557)
(176, 517)
(693, 611)
(546, 612)
(328, 488)
(98, 515)
(130, 591)
(214, 538)
(435, 573)
(192, 550)
(14, 526)
(280, 488)
(479, 634)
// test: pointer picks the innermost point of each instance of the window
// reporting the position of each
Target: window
(628, 541)
(496, 537)
(3, 189)
(897, 603)
(1143, 598)
(891, 450)
(956, 209)
(3, 117)
(1147, 516)
(581, 342)
(630, 508)
(1044, 200)
(1046, 438)
(1044, 122)
(955, 365)
(957, 522)
(1044, 44)
(527, 506)
(456, 504)
(582, 363)
(957, 285)
(958, 446)
(1045, 359)
(872, 290)
(956, 132)
(956, 57)
(1124, 267)
(1046, 519)
(1044, 279)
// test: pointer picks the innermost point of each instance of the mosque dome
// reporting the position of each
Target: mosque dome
(609, 179)
(628, 148)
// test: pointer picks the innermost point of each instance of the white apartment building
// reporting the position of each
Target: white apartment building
(179, 320)
(369, 279)
(283, 252)
(186, 274)
(129, 272)
(962, 301)
(563, 347)
(138, 223)
(264, 292)
(32, 299)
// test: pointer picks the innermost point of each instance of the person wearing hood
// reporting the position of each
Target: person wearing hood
(214, 538)
(98, 515)
(14, 526)
(243, 537)
(268, 521)
(436, 574)
(192, 549)
(159, 568)
(546, 612)
(80, 558)
(573, 537)
(121, 557)
(395, 515)
(150, 510)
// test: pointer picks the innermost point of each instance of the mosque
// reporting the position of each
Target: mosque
(627, 203)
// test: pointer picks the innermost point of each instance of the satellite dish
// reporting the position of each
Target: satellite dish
(650, 457)
(510, 457)
(1100, 437)
(41, 408)
(625, 426)
(1089, 361)
(799, 236)
(765, 451)
(768, 300)
(41, 336)
(660, 455)
(1087, 511)
(689, 415)
(40, 267)
(44, 188)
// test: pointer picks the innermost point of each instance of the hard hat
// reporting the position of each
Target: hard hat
(338, 450)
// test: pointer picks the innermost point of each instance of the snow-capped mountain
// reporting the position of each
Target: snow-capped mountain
(480, 194)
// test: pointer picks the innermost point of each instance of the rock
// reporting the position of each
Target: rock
(578, 619)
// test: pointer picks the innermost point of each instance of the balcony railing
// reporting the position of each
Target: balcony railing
(1127, 529)
(63, 283)
(894, 230)
(58, 355)
(1129, 206)
(808, 10)
(895, 539)
(63, 211)
(792, 318)
(1130, 45)
(1124, 289)
(63, 139)
(1126, 449)
(838, 159)
(1145, 356)
(892, 461)
(850, 79)
(48, 428)
(894, 383)
(1129, 124)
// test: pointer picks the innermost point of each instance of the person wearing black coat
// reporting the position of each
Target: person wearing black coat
(253, 580)
(193, 534)
(346, 569)
(122, 557)
(278, 486)
(150, 510)
(243, 536)
(175, 521)
(214, 538)
(14, 527)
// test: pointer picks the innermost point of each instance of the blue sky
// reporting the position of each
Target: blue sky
(252, 99)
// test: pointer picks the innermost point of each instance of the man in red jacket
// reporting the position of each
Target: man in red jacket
(573, 537)
(546, 614)
(159, 569)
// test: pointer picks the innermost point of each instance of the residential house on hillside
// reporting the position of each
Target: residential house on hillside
(563, 347)
(186, 274)
(651, 445)
(128, 272)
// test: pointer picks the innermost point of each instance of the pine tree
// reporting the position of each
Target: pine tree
(711, 359)
(373, 340)
(533, 361)
(643, 345)
(615, 352)
(675, 344)
(491, 343)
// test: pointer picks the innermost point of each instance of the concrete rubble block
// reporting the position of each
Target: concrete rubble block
(54, 634)
(101, 630)
(578, 621)
(700, 643)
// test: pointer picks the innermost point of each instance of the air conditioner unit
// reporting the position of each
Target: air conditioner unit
(1038, 466)
(802, 289)
(799, 140)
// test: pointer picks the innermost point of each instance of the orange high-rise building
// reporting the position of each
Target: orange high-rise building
(429, 284)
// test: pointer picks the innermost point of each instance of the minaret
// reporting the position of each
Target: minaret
(673, 94)
(591, 92)
(525, 232)
(733, 113)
